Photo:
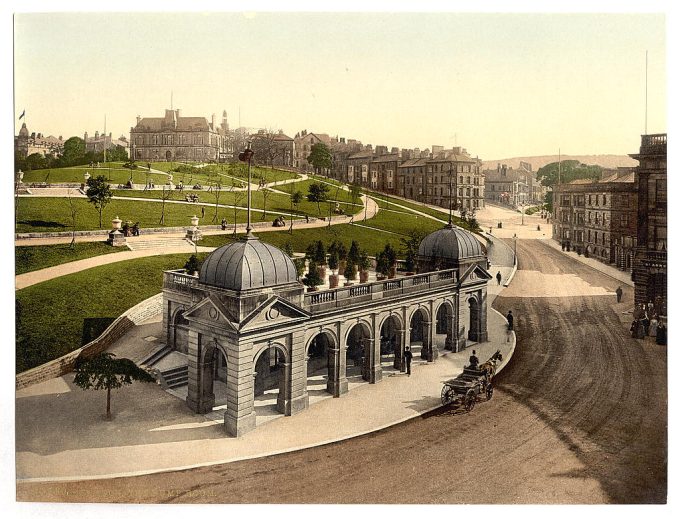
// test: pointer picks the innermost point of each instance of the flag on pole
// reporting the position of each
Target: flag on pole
(22, 114)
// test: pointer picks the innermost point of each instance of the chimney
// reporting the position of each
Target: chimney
(85, 137)
(213, 121)
(138, 119)
(96, 134)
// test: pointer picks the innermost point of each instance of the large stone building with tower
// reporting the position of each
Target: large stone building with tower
(246, 325)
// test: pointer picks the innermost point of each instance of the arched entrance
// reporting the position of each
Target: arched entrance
(180, 327)
(320, 366)
(168, 155)
(391, 344)
(420, 335)
(270, 382)
(358, 353)
(444, 327)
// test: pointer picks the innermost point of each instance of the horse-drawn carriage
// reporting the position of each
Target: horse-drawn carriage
(466, 388)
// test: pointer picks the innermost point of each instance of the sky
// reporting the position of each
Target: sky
(499, 85)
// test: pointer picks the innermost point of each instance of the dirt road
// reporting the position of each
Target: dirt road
(579, 416)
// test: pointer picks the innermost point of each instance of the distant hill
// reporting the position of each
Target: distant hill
(605, 161)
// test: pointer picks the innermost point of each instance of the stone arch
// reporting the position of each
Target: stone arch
(420, 335)
(180, 330)
(321, 354)
(477, 318)
(272, 374)
(358, 349)
(445, 324)
(213, 366)
(391, 342)
(168, 155)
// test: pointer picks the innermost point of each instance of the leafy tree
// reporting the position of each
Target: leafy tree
(99, 194)
(296, 198)
(410, 247)
(35, 161)
(333, 260)
(318, 193)
(320, 157)
(364, 262)
(74, 152)
(353, 254)
(350, 271)
(342, 251)
(104, 371)
(166, 194)
(567, 171)
(193, 264)
(288, 249)
(312, 279)
(390, 254)
(319, 253)
(355, 193)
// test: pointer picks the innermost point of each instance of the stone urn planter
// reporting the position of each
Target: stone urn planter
(334, 280)
(363, 276)
(322, 271)
(393, 272)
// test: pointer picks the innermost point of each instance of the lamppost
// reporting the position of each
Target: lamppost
(522, 209)
(514, 261)
(246, 156)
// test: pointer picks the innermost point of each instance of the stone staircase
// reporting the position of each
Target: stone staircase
(135, 243)
(176, 377)
(156, 355)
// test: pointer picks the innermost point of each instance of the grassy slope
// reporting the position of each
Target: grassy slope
(54, 313)
(33, 258)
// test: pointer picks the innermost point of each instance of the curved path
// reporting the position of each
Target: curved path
(579, 416)
(38, 276)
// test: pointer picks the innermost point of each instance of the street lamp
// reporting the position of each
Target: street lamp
(514, 262)
(522, 209)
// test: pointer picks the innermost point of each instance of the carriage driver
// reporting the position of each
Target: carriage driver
(474, 361)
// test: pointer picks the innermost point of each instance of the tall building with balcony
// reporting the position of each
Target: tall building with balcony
(651, 263)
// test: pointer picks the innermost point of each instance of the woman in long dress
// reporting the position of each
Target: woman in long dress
(653, 325)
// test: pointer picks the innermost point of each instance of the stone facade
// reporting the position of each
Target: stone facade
(177, 138)
(271, 336)
(26, 143)
(651, 261)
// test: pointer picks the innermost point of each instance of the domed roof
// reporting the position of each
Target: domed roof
(451, 243)
(246, 264)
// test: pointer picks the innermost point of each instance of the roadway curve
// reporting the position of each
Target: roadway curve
(579, 416)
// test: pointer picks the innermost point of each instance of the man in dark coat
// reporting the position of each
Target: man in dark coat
(408, 356)
(499, 277)
(661, 334)
(511, 320)
(619, 293)
(474, 361)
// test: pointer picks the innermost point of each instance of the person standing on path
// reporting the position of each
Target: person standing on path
(202, 212)
(408, 356)
(619, 294)
(474, 360)
(499, 277)
(511, 320)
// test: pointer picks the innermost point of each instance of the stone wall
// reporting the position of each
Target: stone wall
(63, 365)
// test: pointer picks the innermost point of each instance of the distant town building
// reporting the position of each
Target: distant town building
(513, 187)
(651, 261)
(100, 142)
(303, 143)
(26, 143)
(174, 137)
(273, 148)
(598, 218)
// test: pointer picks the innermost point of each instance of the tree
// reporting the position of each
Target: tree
(312, 279)
(410, 247)
(317, 193)
(74, 213)
(295, 199)
(74, 152)
(566, 171)
(239, 195)
(193, 264)
(105, 371)
(353, 254)
(166, 194)
(99, 194)
(319, 253)
(320, 157)
(217, 191)
(355, 193)
(265, 196)
(266, 145)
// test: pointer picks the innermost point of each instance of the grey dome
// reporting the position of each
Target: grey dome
(452, 243)
(246, 264)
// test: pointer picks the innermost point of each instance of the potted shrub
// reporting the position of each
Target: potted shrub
(410, 263)
(342, 256)
(382, 266)
(320, 258)
(353, 254)
(312, 280)
(299, 266)
(192, 266)
(364, 264)
(391, 256)
(334, 278)
(350, 273)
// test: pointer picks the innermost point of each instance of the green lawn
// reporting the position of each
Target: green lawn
(30, 258)
(117, 175)
(62, 314)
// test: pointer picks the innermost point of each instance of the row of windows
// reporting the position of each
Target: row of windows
(167, 139)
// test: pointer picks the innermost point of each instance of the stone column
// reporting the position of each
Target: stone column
(200, 395)
(298, 389)
(451, 342)
(374, 367)
(399, 350)
(478, 332)
(337, 384)
(428, 344)
(240, 415)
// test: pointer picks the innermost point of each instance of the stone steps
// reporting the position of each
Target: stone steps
(156, 355)
(134, 243)
(176, 377)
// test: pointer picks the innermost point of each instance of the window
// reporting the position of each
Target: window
(604, 199)
(661, 193)
(624, 219)
(461, 180)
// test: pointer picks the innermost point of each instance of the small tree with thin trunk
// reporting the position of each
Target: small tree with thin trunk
(265, 196)
(166, 194)
(295, 199)
(217, 191)
(105, 371)
(318, 193)
(73, 209)
(99, 194)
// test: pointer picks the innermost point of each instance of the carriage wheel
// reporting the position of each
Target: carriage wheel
(470, 401)
(448, 395)
(489, 392)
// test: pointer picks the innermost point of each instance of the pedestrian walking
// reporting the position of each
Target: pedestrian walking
(645, 325)
(661, 334)
(653, 326)
(224, 224)
(633, 328)
(511, 320)
(408, 356)
(499, 277)
(619, 294)
(202, 211)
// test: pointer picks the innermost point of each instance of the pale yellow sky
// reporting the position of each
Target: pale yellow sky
(500, 85)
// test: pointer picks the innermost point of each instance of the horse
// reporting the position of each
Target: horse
(489, 367)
